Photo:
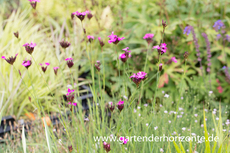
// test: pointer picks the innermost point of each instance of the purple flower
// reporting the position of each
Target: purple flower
(33, 3)
(125, 55)
(64, 44)
(90, 38)
(70, 96)
(44, 67)
(124, 140)
(218, 36)
(137, 78)
(120, 105)
(16, 34)
(160, 66)
(218, 24)
(106, 146)
(174, 59)
(89, 14)
(27, 63)
(98, 65)
(111, 106)
(69, 62)
(161, 49)
(80, 15)
(114, 38)
(101, 42)
(228, 38)
(187, 30)
(55, 70)
(148, 37)
(11, 59)
(29, 47)
(208, 51)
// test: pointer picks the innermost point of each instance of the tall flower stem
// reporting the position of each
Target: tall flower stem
(118, 63)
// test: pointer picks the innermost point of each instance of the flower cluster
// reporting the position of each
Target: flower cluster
(114, 38)
(137, 78)
(161, 49)
(69, 62)
(70, 97)
(106, 146)
(125, 55)
(187, 30)
(148, 37)
(44, 67)
(11, 59)
(120, 105)
(29, 47)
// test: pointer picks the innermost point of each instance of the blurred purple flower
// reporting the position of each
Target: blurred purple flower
(161, 49)
(27, 63)
(29, 47)
(64, 44)
(137, 78)
(44, 67)
(11, 59)
(90, 38)
(114, 38)
(101, 42)
(187, 30)
(208, 51)
(174, 59)
(125, 55)
(148, 37)
(55, 70)
(218, 24)
(69, 62)
(120, 105)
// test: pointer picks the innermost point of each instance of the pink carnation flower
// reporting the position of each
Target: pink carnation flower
(174, 59)
(114, 38)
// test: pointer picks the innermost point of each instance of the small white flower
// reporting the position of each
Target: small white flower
(169, 121)
(182, 113)
(125, 97)
(147, 124)
(156, 128)
(224, 130)
(145, 105)
(139, 114)
(160, 105)
(196, 121)
(135, 110)
(166, 95)
(193, 134)
(172, 102)
(206, 119)
(213, 129)
(97, 104)
(213, 112)
(174, 133)
(174, 112)
(205, 110)
(187, 150)
(165, 111)
(69, 86)
(183, 128)
(54, 130)
(163, 92)
(180, 109)
(86, 119)
(111, 135)
(161, 150)
(202, 125)
(195, 115)
(217, 118)
(138, 107)
(181, 98)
